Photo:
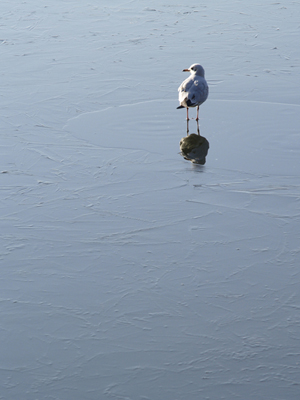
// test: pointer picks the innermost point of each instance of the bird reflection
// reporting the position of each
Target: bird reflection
(194, 147)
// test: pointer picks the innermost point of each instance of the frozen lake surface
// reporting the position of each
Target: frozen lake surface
(127, 272)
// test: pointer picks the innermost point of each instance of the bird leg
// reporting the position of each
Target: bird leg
(197, 119)
(198, 129)
(187, 127)
(187, 113)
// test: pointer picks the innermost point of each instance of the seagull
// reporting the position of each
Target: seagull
(194, 90)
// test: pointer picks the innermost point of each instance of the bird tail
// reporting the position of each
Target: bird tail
(179, 107)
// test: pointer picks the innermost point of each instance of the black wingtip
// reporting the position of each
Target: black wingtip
(179, 107)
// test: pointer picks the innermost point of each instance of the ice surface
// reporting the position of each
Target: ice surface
(128, 272)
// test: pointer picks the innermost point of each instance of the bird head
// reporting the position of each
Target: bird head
(195, 69)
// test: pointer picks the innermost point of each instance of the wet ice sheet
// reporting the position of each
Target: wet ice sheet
(133, 266)
(126, 271)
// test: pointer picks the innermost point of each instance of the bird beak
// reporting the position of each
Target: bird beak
(186, 70)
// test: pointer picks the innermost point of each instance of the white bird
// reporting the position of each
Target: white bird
(194, 90)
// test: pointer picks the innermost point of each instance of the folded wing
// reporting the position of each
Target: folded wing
(192, 92)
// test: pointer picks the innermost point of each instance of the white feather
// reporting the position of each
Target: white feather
(194, 90)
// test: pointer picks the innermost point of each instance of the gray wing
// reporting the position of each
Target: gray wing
(197, 92)
(186, 85)
(184, 89)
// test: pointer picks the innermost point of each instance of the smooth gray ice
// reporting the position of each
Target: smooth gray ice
(128, 272)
